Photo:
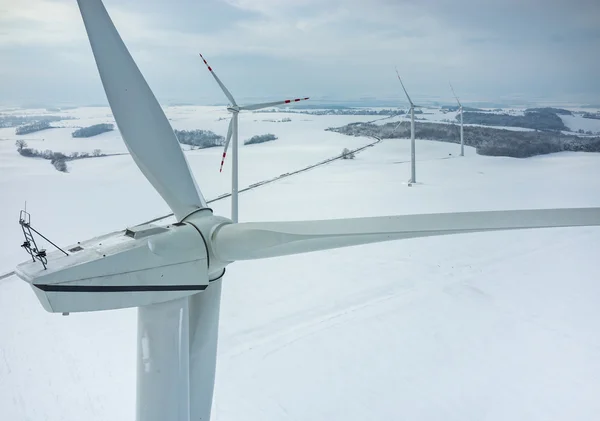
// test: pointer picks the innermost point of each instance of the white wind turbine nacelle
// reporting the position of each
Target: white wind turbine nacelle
(174, 273)
(232, 132)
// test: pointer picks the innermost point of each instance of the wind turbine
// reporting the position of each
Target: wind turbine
(413, 171)
(460, 108)
(173, 273)
(235, 109)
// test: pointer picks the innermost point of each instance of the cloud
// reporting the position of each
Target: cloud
(37, 22)
(336, 47)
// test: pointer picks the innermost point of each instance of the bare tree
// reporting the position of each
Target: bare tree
(60, 165)
(347, 154)
(20, 144)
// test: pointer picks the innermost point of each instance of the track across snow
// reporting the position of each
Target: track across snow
(272, 180)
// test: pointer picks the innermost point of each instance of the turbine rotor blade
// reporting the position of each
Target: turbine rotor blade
(223, 88)
(143, 125)
(454, 93)
(400, 79)
(252, 107)
(257, 240)
(227, 140)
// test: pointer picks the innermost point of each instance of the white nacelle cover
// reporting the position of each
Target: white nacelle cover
(140, 266)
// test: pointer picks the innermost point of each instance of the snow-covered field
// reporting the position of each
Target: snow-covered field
(577, 122)
(494, 326)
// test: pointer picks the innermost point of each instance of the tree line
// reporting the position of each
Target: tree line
(486, 140)
(57, 159)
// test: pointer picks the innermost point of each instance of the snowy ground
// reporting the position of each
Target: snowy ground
(300, 143)
(493, 326)
(577, 122)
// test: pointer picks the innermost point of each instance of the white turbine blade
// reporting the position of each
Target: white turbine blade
(223, 88)
(256, 240)
(143, 125)
(229, 132)
(270, 104)
(454, 93)
(397, 125)
(400, 79)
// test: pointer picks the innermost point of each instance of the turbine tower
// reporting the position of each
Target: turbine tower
(460, 109)
(173, 273)
(235, 109)
(413, 164)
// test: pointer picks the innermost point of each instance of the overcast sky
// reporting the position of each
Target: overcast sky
(330, 49)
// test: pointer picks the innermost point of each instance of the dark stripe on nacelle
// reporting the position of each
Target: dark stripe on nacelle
(119, 288)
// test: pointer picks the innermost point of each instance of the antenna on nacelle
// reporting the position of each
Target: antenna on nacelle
(29, 244)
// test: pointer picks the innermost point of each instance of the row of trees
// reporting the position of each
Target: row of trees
(595, 116)
(199, 138)
(538, 120)
(57, 159)
(486, 140)
(560, 111)
(283, 120)
(94, 130)
(10, 120)
(260, 139)
(455, 108)
(33, 127)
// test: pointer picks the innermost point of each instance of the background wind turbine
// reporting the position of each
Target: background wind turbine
(173, 273)
(235, 109)
(413, 170)
(460, 109)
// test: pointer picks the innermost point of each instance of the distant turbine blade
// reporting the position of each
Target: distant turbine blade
(223, 88)
(270, 104)
(229, 132)
(454, 93)
(400, 79)
(143, 125)
(257, 240)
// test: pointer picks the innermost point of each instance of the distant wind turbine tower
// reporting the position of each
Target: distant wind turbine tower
(413, 171)
(233, 131)
(460, 109)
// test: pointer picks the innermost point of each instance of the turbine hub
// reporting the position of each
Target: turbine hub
(207, 224)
